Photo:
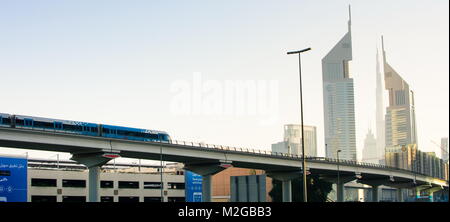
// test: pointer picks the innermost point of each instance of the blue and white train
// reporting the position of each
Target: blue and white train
(81, 128)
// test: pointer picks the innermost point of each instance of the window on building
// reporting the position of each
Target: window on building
(39, 182)
(129, 184)
(176, 199)
(152, 185)
(73, 199)
(176, 186)
(152, 199)
(106, 184)
(43, 199)
(107, 199)
(129, 199)
(74, 183)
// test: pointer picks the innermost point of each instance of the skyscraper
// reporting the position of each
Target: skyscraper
(400, 119)
(292, 137)
(380, 133)
(370, 153)
(444, 149)
(338, 99)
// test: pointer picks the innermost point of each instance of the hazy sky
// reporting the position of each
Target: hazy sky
(167, 65)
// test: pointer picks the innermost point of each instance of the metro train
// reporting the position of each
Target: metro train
(81, 128)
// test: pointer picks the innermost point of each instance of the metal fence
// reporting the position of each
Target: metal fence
(287, 156)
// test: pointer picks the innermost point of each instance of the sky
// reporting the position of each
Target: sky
(215, 71)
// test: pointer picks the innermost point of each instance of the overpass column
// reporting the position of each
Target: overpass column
(375, 193)
(340, 188)
(431, 190)
(93, 161)
(286, 178)
(418, 189)
(207, 170)
(340, 192)
(287, 190)
(207, 188)
(400, 197)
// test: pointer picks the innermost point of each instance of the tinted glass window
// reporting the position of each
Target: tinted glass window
(75, 199)
(107, 199)
(152, 199)
(129, 199)
(74, 183)
(152, 185)
(106, 184)
(129, 184)
(35, 182)
(176, 199)
(43, 125)
(39, 198)
(176, 186)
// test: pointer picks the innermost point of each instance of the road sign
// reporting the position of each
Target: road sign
(13, 179)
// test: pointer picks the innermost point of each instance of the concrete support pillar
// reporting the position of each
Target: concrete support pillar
(207, 188)
(400, 197)
(286, 178)
(94, 175)
(93, 161)
(207, 170)
(418, 189)
(375, 193)
(287, 191)
(431, 191)
(340, 193)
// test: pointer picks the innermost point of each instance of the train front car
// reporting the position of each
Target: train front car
(128, 133)
(5, 120)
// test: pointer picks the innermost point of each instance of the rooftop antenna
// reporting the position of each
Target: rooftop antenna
(349, 17)
(382, 48)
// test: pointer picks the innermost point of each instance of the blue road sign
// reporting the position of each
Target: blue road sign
(13, 179)
(193, 187)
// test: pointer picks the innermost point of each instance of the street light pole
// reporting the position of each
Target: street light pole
(305, 191)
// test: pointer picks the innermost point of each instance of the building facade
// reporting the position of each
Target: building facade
(291, 143)
(338, 100)
(221, 183)
(69, 183)
(444, 149)
(409, 157)
(380, 122)
(370, 152)
(400, 119)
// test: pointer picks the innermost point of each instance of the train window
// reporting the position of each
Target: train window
(105, 130)
(58, 125)
(40, 124)
(19, 122)
(28, 122)
(72, 127)
(6, 121)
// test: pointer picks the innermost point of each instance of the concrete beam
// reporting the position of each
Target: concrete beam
(207, 170)
(93, 161)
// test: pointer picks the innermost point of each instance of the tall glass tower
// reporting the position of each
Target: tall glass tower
(400, 119)
(380, 115)
(338, 99)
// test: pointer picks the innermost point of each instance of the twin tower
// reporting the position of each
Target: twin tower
(396, 127)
